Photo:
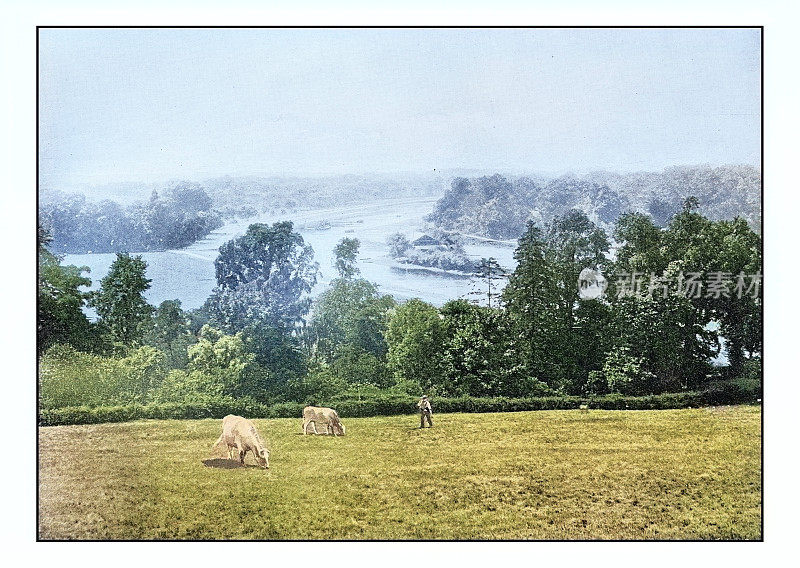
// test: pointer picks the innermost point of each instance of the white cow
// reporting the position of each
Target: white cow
(240, 433)
(313, 415)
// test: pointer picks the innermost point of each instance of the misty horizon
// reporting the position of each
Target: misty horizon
(112, 189)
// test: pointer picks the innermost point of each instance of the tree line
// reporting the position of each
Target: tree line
(500, 207)
(179, 216)
(260, 337)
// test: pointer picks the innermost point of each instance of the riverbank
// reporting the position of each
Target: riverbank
(188, 274)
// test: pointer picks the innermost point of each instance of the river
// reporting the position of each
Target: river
(188, 274)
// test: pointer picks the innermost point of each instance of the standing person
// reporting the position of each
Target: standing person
(425, 412)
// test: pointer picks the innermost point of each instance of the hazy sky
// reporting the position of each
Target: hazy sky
(148, 105)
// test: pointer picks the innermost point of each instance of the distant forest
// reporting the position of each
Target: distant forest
(249, 196)
(178, 217)
(492, 206)
(499, 207)
(181, 213)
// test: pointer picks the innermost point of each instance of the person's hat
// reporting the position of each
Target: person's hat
(424, 396)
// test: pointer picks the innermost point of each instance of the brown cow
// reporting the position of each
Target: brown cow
(240, 433)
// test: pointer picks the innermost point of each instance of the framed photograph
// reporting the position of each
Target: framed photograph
(399, 283)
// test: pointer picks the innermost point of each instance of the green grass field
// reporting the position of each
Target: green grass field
(674, 474)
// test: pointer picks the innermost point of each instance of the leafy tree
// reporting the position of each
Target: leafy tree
(398, 245)
(693, 245)
(62, 218)
(724, 250)
(532, 300)
(593, 338)
(622, 373)
(480, 354)
(350, 311)
(60, 317)
(669, 336)
(169, 322)
(356, 366)
(181, 386)
(141, 372)
(263, 278)
(449, 207)
(222, 365)
(120, 302)
(169, 332)
(368, 328)
(641, 247)
(214, 350)
(317, 387)
(573, 243)
(347, 330)
(74, 378)
(178, 218)
(346, 253)
(192, 197)
(415, 337)
(279, 353)
(542, 298)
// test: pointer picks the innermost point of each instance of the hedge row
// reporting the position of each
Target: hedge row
(730, 392)
(170, 410)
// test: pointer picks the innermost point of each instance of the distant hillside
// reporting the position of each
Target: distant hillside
(499, 207)
(243, 196)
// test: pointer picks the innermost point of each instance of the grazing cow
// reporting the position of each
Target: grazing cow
(584, 408)
(314, 415)
(240, 433)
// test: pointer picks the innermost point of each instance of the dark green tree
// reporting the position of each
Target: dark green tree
(532, 299)
(682, 323)
(593, 337)
(60, 317)
(481, 356)
(415, 337)
(120, 302)
(668, 335)
(573, 243)
(641, 247)
(727, 255)
(169, 332)
(347, 330)
(350, 311)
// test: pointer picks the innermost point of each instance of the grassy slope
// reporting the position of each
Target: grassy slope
(675, 474)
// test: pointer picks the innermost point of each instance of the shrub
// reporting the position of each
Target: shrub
(388, 404)
(733, 391)
(73, 378)
(200, 407)
(320, 383)
(286, 410)
(624, 373)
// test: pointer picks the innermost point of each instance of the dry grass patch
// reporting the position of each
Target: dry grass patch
(675, 474)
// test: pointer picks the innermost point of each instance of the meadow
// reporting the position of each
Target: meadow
(661, 474)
